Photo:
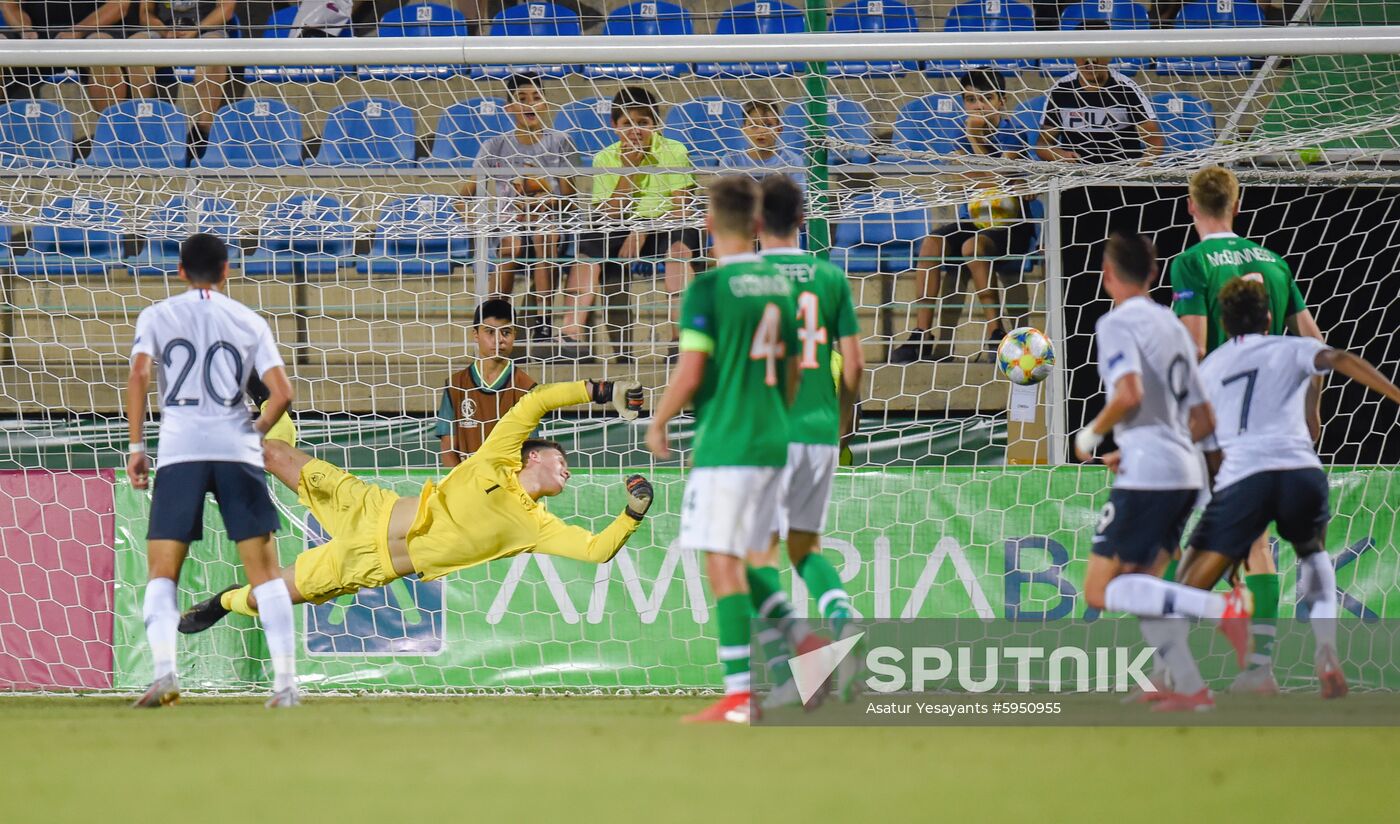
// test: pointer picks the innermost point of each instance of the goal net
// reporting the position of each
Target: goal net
(352, 179)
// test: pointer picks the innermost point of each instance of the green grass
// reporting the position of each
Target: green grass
(393, 760)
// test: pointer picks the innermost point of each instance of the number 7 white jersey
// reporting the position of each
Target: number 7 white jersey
(205, 346)
(1258, 386)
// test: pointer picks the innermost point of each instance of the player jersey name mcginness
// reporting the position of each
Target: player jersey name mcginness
(1139, 336)
(1199, 273)
(206, 346)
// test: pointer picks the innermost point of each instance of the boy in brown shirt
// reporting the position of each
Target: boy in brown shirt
(481, 394)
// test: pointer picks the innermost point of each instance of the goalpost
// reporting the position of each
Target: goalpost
(360, 247)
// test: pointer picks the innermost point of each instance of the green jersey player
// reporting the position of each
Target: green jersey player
(1197, 277)
(738, 338)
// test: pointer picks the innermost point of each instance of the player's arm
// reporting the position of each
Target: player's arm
(685, 382)
(1120, 366)
(504, 442)
(559, 538)
(138, 383)
(1189, 301)
(279, 399)
(1358, 369)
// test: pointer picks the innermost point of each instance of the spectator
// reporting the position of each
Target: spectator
(70, 20)
(763, 129)
(991, 226)
(323, 18)
(634, 195)
(181, 20)
(1097, 115)
(522, 200)
(478, 396)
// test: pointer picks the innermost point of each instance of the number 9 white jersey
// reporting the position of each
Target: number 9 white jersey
(205, 346)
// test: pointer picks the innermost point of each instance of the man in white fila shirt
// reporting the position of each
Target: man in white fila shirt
(1270, 472)
(206, 348)
(1157, 411)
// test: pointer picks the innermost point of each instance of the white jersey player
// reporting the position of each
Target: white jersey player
(1157, 411)
(1270, 471)
(206, 348)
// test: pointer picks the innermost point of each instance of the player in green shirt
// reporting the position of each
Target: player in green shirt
(738, 336)
(821, 412)
(1197, 276)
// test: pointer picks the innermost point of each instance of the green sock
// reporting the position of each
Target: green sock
(825, 585)
(734, 614)
(775, 616)
(1263, 626)
(1169, 574)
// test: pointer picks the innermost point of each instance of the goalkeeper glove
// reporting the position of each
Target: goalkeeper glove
(625, 396)
(639, 495)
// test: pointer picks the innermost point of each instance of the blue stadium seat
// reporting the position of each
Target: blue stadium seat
(541, 19)
(74, 236)
(986, 15)
(173, 222)
(884, 238)
(464, 126)
(588, 123)
(1187, 121)
(647, 17)
(304, 234)
(709, 127)
(141, 134)
(280, 25)
(849, 123)
(1119, 14)
(373, 132)
(254, 133)
(35, 133)
(1026, 120)
(872, 16)
(419, 235)
(1213, 14)
(929, 124)
(419, 20)
(758, 17)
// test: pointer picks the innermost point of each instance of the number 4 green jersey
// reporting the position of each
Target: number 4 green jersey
(826, 313)
(1199, 273)
(741, 314)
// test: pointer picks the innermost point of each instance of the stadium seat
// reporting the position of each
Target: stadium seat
(760, 17)
(35, 133)
(1213, 14)
(986, 16)
(160, 254)
(709, 127)
(648, 17)
(304, 234)
(872, 16)
(419, 235)
(419, 20)
(884, 238)
(1118, 14)
(373, 132)
(141, 134)
(588, 123)
(74, 236)
(280, 25)
(929, 124)
(254, 133)
(849, 123)
(463, 127)
(541, 19)
(1026, 120)
(1187, 121)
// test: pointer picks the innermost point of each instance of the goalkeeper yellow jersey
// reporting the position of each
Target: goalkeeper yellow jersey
(479, 512)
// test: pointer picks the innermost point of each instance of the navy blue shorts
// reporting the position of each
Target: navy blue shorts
(1137, 524)
(1293, 499)
(177, 506)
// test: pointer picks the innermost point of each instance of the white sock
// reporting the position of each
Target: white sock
(162, 617)
(1168, 635)
(1146, 596)
(1317, 587)
(275, 610)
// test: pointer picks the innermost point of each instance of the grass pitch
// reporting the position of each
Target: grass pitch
(518, 759)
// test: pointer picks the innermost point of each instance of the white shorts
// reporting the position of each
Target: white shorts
(805, 488)
(729, 509)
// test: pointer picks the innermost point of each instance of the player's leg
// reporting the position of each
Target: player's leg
(781, 633)
(1303, 513)
(1262, 579)
(285, 462)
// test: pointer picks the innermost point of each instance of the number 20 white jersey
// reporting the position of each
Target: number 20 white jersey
(205, 346)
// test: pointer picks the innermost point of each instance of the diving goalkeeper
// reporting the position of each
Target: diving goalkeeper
(487, 507)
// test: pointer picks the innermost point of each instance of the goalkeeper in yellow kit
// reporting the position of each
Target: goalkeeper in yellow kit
(487, 507)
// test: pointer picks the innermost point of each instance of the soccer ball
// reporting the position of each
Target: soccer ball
(1025, 356)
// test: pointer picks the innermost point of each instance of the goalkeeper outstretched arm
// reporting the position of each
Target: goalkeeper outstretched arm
(502, 446)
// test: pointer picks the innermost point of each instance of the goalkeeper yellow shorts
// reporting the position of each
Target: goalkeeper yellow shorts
(355, 515)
